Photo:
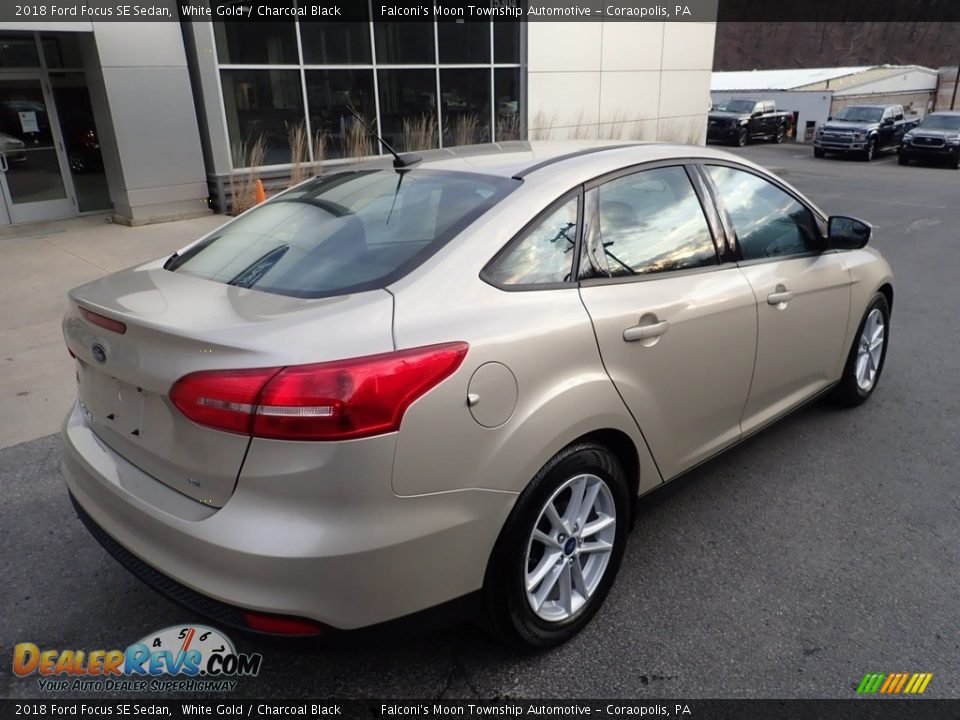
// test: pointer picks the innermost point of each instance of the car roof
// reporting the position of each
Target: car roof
(523, 159)
(879, 106)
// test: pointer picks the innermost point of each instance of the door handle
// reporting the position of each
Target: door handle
(645, 332)
(3, 162)
(781, 295)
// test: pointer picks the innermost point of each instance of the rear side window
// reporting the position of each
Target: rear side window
(651, 222)
(768, 222)
(344, 233)
(543, 254)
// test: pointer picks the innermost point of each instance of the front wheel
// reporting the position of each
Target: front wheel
(955, 161)
(781, 133)
(560, 549)
(903, 159)
(867, 355)
(818, 152)
(742, 137)
(870, 151)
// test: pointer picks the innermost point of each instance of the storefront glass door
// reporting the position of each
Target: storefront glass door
(33, 181)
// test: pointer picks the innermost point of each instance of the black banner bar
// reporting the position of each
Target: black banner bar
(85, 11)
(854, 709)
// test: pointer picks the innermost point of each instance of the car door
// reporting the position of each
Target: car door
(674, 318)
(802, 292)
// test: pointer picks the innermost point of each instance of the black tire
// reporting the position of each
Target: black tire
(742, 137)
(818, 152)
(903, 159)
(848, 392)
(954, 162)
(781, 134)
(506, 611)
(870, 151)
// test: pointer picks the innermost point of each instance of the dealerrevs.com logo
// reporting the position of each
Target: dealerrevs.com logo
(178, 658)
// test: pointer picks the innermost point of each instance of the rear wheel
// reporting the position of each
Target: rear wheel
(560, 549)
(865, 361)
(818, 152)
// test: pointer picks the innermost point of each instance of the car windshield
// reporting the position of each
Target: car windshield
(941, 122)
(347, 232)
(856, 113)
(737, 106)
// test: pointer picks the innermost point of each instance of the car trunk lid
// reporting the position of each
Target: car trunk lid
(175, 324)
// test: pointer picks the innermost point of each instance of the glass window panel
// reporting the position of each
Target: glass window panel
(26, 138)
(340, 43)
(62, 50)
(344, 233)
(261, 104)
(18, 51)
(464, 42)
(768, 221)
(81, 140)
(465, 105)
(507, 89)
(408, 102)
(256, 43)
(506, 42)
(331, 95)
(653, 222)
(404, 43)
(543, 255)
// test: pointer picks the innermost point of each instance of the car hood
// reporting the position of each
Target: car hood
(849, 125)
(719, 115)
(934, 133)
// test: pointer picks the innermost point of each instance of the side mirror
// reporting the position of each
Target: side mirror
(829, 118)
(847, 233)
(887, 121)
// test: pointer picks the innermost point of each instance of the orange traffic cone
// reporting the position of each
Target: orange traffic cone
(261, 194)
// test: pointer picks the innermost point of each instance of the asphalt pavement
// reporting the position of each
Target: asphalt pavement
(824, 548)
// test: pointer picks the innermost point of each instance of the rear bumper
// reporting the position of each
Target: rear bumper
(328, 541)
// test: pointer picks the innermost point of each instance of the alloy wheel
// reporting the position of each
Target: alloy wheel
(870, 349)
(570, 547)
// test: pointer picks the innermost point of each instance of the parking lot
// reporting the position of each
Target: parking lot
(822, 549)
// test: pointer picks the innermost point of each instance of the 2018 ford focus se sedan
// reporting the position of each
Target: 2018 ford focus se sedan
(391, 388)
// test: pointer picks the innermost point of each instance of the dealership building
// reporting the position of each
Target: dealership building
(153, 121)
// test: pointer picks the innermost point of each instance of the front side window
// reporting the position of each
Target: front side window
(543, 254)
(652, 222)
(768, 222)
(343, 233)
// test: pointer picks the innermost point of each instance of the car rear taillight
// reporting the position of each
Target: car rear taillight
(281, 624)
(337, 400)
(103, 321)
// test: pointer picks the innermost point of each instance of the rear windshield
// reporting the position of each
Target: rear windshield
(343, 233)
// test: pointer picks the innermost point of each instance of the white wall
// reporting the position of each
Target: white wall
(812, 105)
(619, 80)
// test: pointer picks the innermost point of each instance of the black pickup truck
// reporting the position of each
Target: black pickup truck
(864, 130)
(739, 120)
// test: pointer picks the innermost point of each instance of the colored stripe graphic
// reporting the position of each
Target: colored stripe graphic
(894, 684)
(870, 683)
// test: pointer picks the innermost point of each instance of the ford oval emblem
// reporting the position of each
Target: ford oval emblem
(99, 354)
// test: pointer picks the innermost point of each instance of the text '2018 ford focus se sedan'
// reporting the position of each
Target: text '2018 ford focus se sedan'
(393, 388)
